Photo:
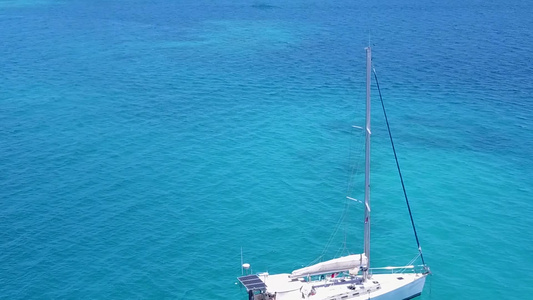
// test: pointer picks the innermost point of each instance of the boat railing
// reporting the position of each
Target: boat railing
(400, 269)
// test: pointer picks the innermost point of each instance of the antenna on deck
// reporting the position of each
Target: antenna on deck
(244, 266)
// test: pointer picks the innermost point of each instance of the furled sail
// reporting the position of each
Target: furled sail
(340, 264)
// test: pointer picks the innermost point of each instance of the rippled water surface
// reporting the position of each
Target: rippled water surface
(143, 143)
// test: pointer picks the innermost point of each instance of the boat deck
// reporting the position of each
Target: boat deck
(379, 287)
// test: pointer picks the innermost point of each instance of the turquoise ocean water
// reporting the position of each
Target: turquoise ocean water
(143, 143)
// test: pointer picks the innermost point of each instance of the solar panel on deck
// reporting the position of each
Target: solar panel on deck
(252, 282)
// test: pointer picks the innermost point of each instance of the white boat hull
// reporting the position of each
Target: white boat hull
(397, 286)
(410, 289)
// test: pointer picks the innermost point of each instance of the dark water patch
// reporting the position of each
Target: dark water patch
(265, 6)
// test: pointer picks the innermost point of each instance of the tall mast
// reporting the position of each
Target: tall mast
(367, 160)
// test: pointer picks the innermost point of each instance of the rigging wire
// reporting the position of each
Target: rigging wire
(354, 171)
(398, 167)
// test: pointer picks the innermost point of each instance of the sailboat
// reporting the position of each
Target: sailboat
(347, 277)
